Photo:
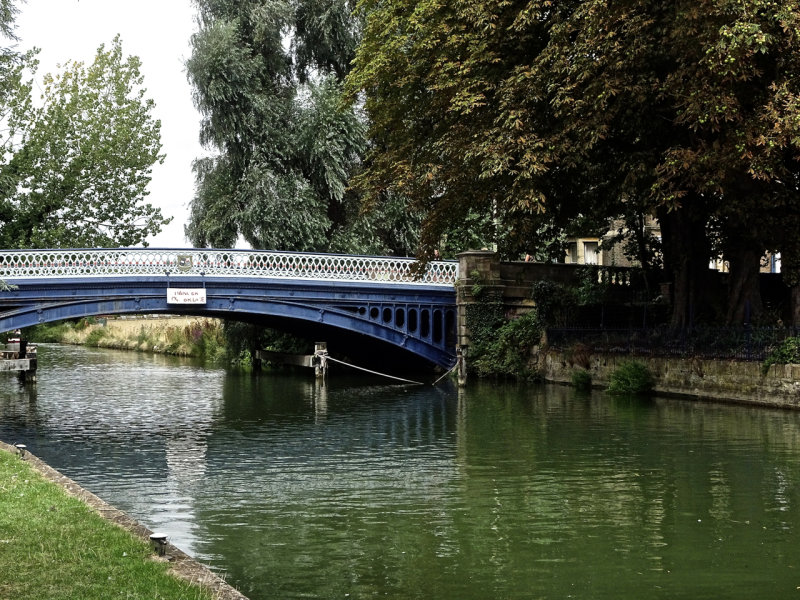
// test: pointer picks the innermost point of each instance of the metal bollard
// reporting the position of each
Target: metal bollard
(159, 543)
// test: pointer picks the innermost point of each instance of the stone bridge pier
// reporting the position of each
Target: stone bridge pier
(483, 277)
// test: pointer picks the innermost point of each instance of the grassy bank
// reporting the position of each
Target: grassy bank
(54, 546)
(183, 336)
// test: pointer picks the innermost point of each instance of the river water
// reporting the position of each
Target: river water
(362, 490)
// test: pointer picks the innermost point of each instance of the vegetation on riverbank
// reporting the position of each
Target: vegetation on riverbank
(631, 378)
(201, 338)
(54, 546)
(787, 353)
(501, 347)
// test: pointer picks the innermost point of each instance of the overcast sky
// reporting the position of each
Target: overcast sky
(158, 32)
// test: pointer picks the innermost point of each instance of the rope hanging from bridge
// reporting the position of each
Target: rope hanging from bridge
(454, 367)
(341, 362)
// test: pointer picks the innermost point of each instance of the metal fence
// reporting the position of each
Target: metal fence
(733, 343)
(26, 264)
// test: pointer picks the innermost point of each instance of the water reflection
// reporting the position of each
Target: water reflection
(298, 489)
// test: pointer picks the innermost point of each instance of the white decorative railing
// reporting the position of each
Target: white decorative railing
(26, 264)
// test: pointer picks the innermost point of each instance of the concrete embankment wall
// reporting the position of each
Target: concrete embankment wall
(718, 380)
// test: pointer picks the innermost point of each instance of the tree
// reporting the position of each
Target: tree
(267, 79)
(539, 113)
(78, 164)
(10, 82)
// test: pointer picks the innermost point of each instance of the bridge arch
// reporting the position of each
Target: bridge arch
(273, 312)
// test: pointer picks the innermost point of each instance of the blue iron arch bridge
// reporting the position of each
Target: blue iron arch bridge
(377, 302)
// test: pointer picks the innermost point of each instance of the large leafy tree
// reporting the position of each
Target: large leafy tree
(77, 163)
(15, 95)
(444, 130)
(267, 78)
(540, 113)
(10, 82)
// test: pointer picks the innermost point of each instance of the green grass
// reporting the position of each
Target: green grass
(54, 546)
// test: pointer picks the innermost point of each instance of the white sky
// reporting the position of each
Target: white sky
(158, 32)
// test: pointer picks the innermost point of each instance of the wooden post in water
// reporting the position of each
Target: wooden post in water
(19, 356)
(321, 359)
(462, 367)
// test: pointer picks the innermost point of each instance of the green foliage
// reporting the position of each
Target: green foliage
(631, 378)
(242, 340)
(243, 360)
(8, 12)
(84, 323)
(48, 332)
(478, 283)
(537, 114)
(589, 289)
(286, 143)
(94, 337)
(209, 341)
(502, 348)
(787, 353)
(555, 302)
(77, 166)
(581, 380)
(202, 339)
(484, 319)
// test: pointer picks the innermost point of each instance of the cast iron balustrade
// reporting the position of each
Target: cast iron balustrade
(24, 264)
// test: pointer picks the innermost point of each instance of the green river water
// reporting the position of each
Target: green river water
(358, 489)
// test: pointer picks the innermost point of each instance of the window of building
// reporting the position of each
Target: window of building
(572, 253)
(590, 253)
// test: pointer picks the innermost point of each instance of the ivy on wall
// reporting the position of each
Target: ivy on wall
(500, 347)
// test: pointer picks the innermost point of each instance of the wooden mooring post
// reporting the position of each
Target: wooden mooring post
(321, 359)
(20, 357)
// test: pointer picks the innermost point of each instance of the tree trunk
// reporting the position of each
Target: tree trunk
(795, 306)
(744, 288)
(686, 254)
(790, 273)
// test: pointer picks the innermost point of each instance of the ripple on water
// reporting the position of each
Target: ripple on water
(369, 490)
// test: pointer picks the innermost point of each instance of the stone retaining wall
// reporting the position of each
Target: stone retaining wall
(718, 380)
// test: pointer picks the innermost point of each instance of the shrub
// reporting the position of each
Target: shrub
(84, 323)
(582, 380)
(508, 350)
(631, 377)
(48, 332)
(94, 337)
(785, 354)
